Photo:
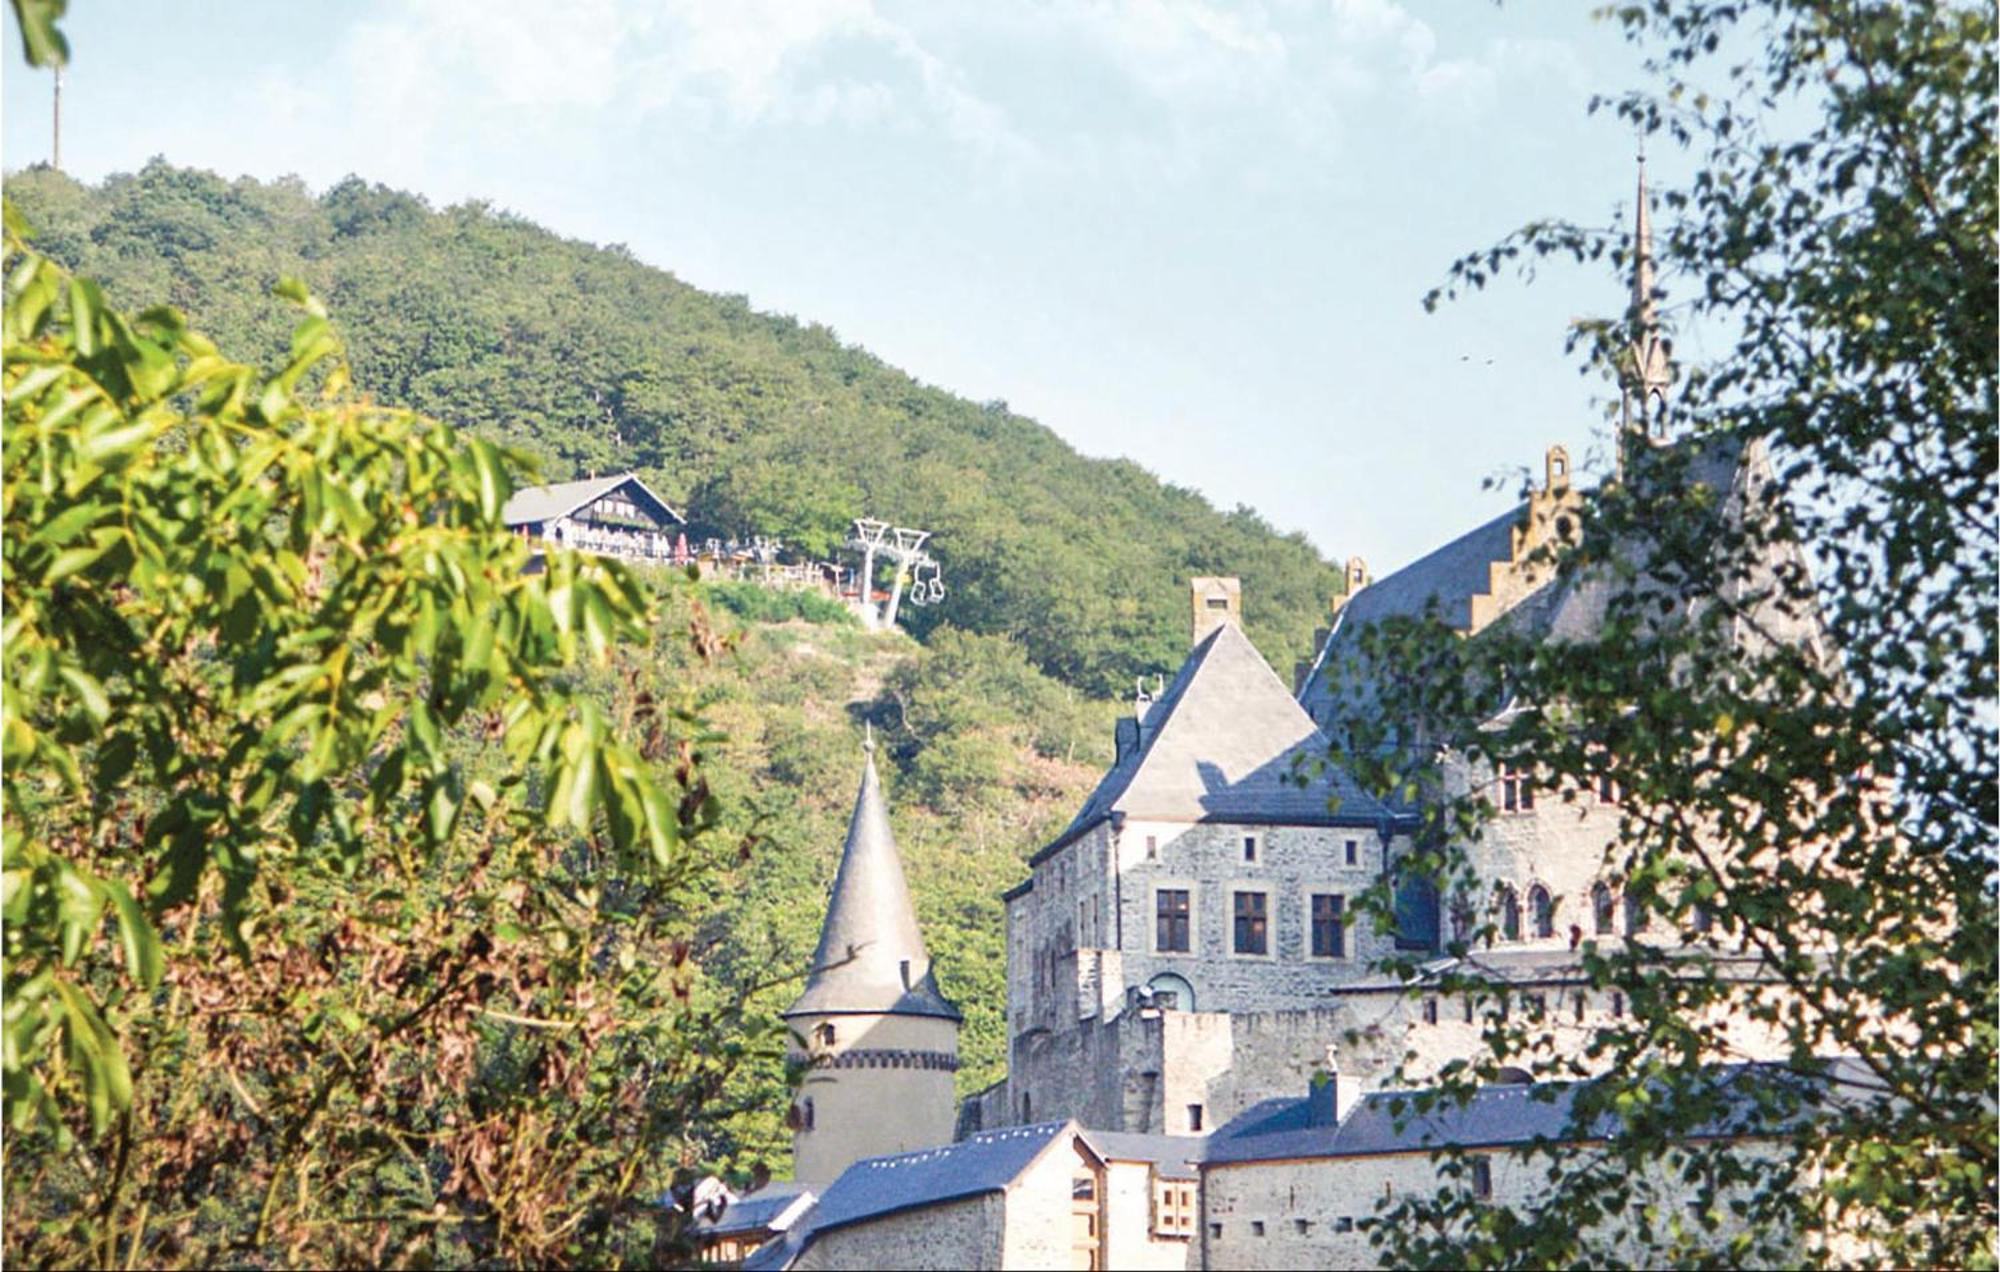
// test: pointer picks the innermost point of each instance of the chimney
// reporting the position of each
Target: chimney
(1125, 736)
(1329, 1100)
(1215, 601)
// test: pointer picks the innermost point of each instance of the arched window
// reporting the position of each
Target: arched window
(1636, 918)
(823, 1035)
(1542, 910)
(1510, 914)
(1601, 908)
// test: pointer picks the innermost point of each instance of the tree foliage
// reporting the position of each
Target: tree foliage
(1793, 681)
(343, 922)
(760, 424)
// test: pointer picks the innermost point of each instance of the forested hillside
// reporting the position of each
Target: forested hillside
(984, 757)
(593, 360)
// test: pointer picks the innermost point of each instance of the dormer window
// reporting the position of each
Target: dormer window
(823, 1035)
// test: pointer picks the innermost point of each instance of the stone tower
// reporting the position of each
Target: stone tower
(880, 1039)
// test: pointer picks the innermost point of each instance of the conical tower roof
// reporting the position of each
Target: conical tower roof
(871, 957)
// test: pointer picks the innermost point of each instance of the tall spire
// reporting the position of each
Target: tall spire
(1642, 252)
(871, 955)
(1649, 367)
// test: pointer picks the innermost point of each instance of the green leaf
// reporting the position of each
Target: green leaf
(141, 944)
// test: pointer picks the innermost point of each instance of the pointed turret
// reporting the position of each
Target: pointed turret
(879, 1040)
(871, 957)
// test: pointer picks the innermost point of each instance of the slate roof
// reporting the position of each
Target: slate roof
(879, 1186)
(1173, 1156)
(764, 1209)
(871, 935)
(1451, 575)
(1495, 1117)
(1220, 745)
(532, 504)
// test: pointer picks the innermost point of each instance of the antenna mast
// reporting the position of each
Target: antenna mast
(55, 146)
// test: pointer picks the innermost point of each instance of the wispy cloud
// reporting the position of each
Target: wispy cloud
(1165, 90)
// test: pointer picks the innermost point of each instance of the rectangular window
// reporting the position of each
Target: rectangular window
(1517, 791)
(1430, 1011)
(1152, 847)
(1253, 923)
(1194, 1118)
(1256, 1227)
(1482, 1178)
(1173, 1210)
(1249, 847)
(1353, 852)
(1171, 924)
(1329, 928)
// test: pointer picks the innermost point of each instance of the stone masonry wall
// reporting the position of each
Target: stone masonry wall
(952, 1234)
(1312, 1212)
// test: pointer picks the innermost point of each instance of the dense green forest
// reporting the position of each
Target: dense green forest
(986, 758)
(594, 361)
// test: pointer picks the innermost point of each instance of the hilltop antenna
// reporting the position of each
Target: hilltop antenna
(55, 142)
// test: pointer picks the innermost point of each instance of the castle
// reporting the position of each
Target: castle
(1187, 989)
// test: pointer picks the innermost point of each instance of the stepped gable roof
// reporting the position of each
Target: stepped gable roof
(871, 956)
(1220, 745)
(876, 1187)
(1450, 576)
(546, 503)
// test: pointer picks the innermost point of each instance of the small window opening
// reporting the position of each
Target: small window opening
(1302, 1226)
(823, 1034)
(1215, 1231)
(1152, 847)
(1517, 790)
(1194, 1117)
(1249, 847)
(1482, 1178)
(1353, 851)
(1256, 1227)
(1430, 1011)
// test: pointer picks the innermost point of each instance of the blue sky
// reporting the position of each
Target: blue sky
(1192, 233)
